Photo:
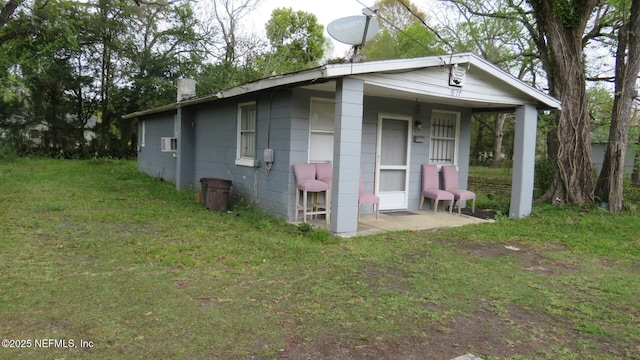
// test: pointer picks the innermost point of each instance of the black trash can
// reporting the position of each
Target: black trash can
(215, 193)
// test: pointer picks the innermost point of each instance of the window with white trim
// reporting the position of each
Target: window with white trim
(168, 144)
(321, 130)
(445, 133)
(246, 142)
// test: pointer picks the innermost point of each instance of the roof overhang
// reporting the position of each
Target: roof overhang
(379, 80)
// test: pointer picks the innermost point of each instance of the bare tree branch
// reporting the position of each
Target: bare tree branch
(604, 78)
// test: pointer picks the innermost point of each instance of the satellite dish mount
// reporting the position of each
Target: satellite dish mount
(355, 30)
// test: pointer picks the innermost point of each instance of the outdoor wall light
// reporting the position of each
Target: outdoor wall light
(418, 126)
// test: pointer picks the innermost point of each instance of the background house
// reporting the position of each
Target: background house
(382, 119)
(39, 134)
(597, 157)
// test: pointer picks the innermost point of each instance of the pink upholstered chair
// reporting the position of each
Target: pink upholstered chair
(431, 188)
(450, 180)
(306, 182)
(324, 173)
(367, 198)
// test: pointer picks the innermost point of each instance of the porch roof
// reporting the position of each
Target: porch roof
(424, 79)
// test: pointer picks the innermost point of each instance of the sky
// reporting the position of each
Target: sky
(325, 10)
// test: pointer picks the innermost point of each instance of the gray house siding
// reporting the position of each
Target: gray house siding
(215, 153)
(151, 160)
(419, 151)
(372, 107)
(299, 137)
(273, 132)
(208, 134)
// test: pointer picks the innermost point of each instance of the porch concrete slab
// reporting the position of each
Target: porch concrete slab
(413, 220)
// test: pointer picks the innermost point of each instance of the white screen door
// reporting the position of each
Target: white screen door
(392, 161)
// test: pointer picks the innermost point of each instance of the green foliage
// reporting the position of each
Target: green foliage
(305, 228)
(600, 107)
(492, 187)
(215, 77)
(13, 143)
(631, 195)
(568, 12)
(544, 173)
(396, 16)
(483, 137)
(75, 61)
(297, 41)
(414, 41)
(402, 35)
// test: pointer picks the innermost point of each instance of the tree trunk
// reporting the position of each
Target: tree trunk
(497, 142)
(574, 180)
(610, 183)
(563, 24)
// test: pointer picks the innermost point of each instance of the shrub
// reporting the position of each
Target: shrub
(13, 144)
(544, 173)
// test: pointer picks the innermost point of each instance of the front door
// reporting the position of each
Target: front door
(392, 161)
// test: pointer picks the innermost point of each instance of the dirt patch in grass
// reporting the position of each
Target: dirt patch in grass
(383, 277)
(487, 331)
(530, 258)
(491, 329)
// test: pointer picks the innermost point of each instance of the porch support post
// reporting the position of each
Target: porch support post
(346, 156)
(524, 156)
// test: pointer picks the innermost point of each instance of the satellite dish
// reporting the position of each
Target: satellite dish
(353, 30)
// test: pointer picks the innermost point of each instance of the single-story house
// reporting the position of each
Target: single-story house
(381, 119)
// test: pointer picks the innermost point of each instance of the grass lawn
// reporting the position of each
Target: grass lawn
(119, 265)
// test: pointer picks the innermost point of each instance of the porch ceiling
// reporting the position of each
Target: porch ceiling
(415, 94)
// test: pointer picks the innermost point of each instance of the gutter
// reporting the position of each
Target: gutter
(258, 85)
(173, 106)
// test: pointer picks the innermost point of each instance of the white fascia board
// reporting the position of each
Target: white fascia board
(396, 65)
(172, 106)
(443, 60)
(150, 111)
(308, 76)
